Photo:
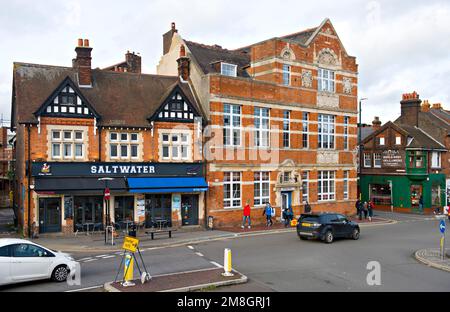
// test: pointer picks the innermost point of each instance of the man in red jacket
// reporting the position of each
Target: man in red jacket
(246, 215)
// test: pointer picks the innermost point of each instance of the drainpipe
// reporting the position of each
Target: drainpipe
(29, 181)
(99, 144)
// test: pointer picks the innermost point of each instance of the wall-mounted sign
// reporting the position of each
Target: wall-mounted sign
(90, 169)
(176, 201)
(392, 158)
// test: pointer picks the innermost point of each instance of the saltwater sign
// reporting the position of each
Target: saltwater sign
(101, 169)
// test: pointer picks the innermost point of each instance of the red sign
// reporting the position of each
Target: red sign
(107, 194)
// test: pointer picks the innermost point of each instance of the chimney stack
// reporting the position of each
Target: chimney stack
(183, 65)
(376, 123)
(437, 106)
(426, 106)
(410, 108)
(167, 38)
(134, 62)
(83, 63)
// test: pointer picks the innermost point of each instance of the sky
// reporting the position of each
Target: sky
(400, 45)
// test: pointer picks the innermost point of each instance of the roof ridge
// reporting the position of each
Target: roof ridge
(300, 32)
(40, 65)
(215, 47)
(428, 135)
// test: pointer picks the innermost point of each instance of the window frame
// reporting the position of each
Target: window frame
(305, 185)
(260, 185)
(367, 160)
(231, 127)
(232, 69)
(328, 122)
(346, 184)
(286, 75)
(376, 157)
(305, 130)
(231, 183)
(346, 134)
(286, 137)
(326, 186)
(258, 120)
(326, 80)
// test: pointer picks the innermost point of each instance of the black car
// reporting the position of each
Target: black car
(326, 227)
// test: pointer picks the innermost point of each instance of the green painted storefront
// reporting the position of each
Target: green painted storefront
(405, 190)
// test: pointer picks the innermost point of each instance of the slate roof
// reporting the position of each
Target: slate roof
(121, 99)
(302, 36)
(206, 56)
(420, 139)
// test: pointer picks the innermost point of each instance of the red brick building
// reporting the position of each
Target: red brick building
(76, 125)
(282, 120)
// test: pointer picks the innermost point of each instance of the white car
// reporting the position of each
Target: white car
(23, 261)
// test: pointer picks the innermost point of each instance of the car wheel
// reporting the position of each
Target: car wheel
(60, 273)
(355, 234)
(329, 237)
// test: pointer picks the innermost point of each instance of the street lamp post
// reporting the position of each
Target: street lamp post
(107, 212)
(359, 143)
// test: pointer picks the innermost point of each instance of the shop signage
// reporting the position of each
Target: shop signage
(90, 169)
(392, 158)
(176, 201)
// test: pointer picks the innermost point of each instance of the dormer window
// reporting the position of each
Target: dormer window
(228, 69)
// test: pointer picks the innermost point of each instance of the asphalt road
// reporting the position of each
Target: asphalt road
(282, 262)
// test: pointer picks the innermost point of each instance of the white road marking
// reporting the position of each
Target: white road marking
(88, 258)
(91, 260)
(190, 247)
(216, 264)
(199, 254)
(101, 256)
(87, 288)
(108, 257)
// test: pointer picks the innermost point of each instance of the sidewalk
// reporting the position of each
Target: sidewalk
(431, 257)
(96, 244)
(6, 220)
(181, 282)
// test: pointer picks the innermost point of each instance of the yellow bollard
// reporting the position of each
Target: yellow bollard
(227, 263)
(128, 271)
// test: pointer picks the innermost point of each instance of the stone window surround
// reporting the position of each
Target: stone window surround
(84, 141)
(169, 132)
(139, 142)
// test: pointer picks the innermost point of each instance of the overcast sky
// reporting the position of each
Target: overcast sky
(400, 45)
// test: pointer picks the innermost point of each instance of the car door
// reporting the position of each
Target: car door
(29, 262)
(344, 226)
(5, 265)
(337, 224)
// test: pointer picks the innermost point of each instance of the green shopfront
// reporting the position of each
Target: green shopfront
(415, 190)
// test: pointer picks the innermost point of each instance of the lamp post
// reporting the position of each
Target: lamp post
(360, 144)
(107, 214)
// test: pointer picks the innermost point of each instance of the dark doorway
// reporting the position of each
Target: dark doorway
(49, 215)
(189, 209)
(158, 207)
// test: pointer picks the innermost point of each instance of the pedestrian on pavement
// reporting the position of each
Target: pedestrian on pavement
(307, 207)
(246, 215)
(365, 210)
(447, 211)
(359, 209)
(421, 202)
(288, 214)
(370, 207)
(268, 213)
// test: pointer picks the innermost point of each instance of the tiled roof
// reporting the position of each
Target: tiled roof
(121, 99)
(421, 139)
(302, 36)
(207, 56)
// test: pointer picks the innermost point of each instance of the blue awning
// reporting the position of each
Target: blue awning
(167, 185)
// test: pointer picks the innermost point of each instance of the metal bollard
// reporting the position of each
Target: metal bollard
(227, 263)
(128, 271)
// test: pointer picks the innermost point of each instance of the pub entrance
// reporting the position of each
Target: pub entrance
(49, 215)
(189, 209)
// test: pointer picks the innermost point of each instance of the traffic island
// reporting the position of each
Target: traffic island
(181, 282)
(432, 258)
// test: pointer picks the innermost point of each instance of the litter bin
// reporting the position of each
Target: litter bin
(210, 223)
(132, 230)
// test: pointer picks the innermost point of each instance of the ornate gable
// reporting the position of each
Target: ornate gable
(175, 108)
(67, 101)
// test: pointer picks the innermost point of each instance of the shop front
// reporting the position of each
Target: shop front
(69, 196)
(404, 193)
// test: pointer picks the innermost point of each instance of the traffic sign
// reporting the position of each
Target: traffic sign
(442, 226)
(107, 195)
(130, 244)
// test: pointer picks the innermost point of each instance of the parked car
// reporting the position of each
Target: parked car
(326, 227)
(23, 261)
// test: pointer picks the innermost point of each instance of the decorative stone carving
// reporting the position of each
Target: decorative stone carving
(327, 157)
(327, 31)
(347, 85)
(287, 54)
(328, 57)
(307, 79)
(327, 100)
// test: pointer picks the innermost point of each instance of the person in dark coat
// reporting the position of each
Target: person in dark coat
(358, 209)
(365, 209)
(307, 207)
(370, 207)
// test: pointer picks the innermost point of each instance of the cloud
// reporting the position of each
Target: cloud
(400, 45)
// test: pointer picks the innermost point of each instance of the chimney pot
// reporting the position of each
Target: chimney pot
(173, 26)
(86, 43)
(182, 51)
(82, 62)
(80, 42)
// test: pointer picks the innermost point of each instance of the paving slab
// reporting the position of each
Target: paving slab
(181, 282)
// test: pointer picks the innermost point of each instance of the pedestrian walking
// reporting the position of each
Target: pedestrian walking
(365, 210)
(370, 207)
(268, 213)
(359, 209)
(447, 211)
(307, 207)
(246, 216)
(421, 202)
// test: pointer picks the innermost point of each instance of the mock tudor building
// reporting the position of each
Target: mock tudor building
(405, 162)
(81, 130)
(282, 121)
